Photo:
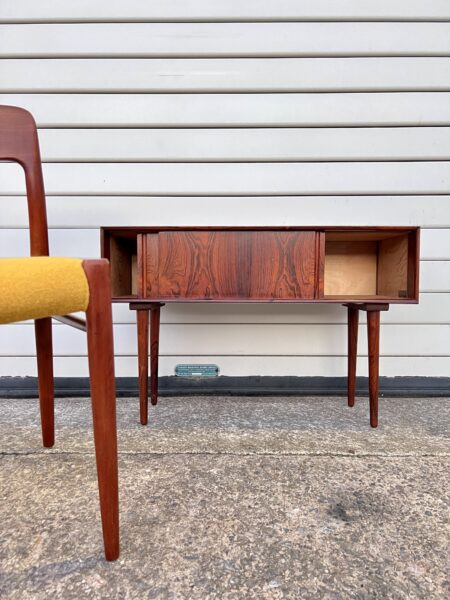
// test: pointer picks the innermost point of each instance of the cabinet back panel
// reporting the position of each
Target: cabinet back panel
(350, 268)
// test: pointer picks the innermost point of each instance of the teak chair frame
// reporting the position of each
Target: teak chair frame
(19, 143)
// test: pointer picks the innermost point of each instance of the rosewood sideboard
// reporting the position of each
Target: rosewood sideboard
(362, 268)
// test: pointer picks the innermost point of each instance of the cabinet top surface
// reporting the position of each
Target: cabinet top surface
(156, 228)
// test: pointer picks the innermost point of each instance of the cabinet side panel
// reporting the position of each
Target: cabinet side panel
(393, 267)
(413, 264)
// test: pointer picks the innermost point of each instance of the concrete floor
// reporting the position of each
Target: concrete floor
(231, 498)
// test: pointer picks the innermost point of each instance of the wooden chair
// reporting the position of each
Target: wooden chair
(40, 287)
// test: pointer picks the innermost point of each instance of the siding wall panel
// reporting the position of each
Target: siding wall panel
(77, 211)
(223, 179)
(199, 40)
(235, 110)
(218, 10)
(245, 145)
(242, 340)
(236, 113)
(225, 75)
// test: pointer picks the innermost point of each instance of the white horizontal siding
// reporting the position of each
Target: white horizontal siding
(153, 40)
(264, 112)
(241, 339)
(218, 10)
(225, 74)
(95, 211)
(235, 110)
(436, 276)
(241, 145)
(236, 178)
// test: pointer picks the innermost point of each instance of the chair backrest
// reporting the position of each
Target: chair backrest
(19, 143)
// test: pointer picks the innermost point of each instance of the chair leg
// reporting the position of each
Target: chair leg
(373, 334)
(154, 352)
(142, 331)
(353, 318)
(101, 367)
(44, 354)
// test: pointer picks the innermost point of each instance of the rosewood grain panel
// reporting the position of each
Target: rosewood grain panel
(151, 265)
(202, 264)
(283, 264)
(241, 265)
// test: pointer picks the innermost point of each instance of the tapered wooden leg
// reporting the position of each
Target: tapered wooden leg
(103, 394)
(154, 352)
(353, 319)
(142, 332)
(373, 334)
(44, 353)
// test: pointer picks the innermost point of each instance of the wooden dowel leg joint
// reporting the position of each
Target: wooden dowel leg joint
(142, 333)
(373, 338)
(373, 311)
(154, 352)
(353, 320)
(142, 316)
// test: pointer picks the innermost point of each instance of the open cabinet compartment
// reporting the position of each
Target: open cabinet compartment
(120, 248)
(371, 265)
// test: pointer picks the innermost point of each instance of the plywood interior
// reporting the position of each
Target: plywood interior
(366, 264)
(123, 266)
(350, 268)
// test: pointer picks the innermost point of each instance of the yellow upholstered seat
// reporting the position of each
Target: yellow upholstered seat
(37, 287)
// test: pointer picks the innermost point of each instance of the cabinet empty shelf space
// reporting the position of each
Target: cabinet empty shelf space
(370, 264)
(121, 250)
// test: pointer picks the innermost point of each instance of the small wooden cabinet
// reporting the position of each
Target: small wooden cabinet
(364, 268)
